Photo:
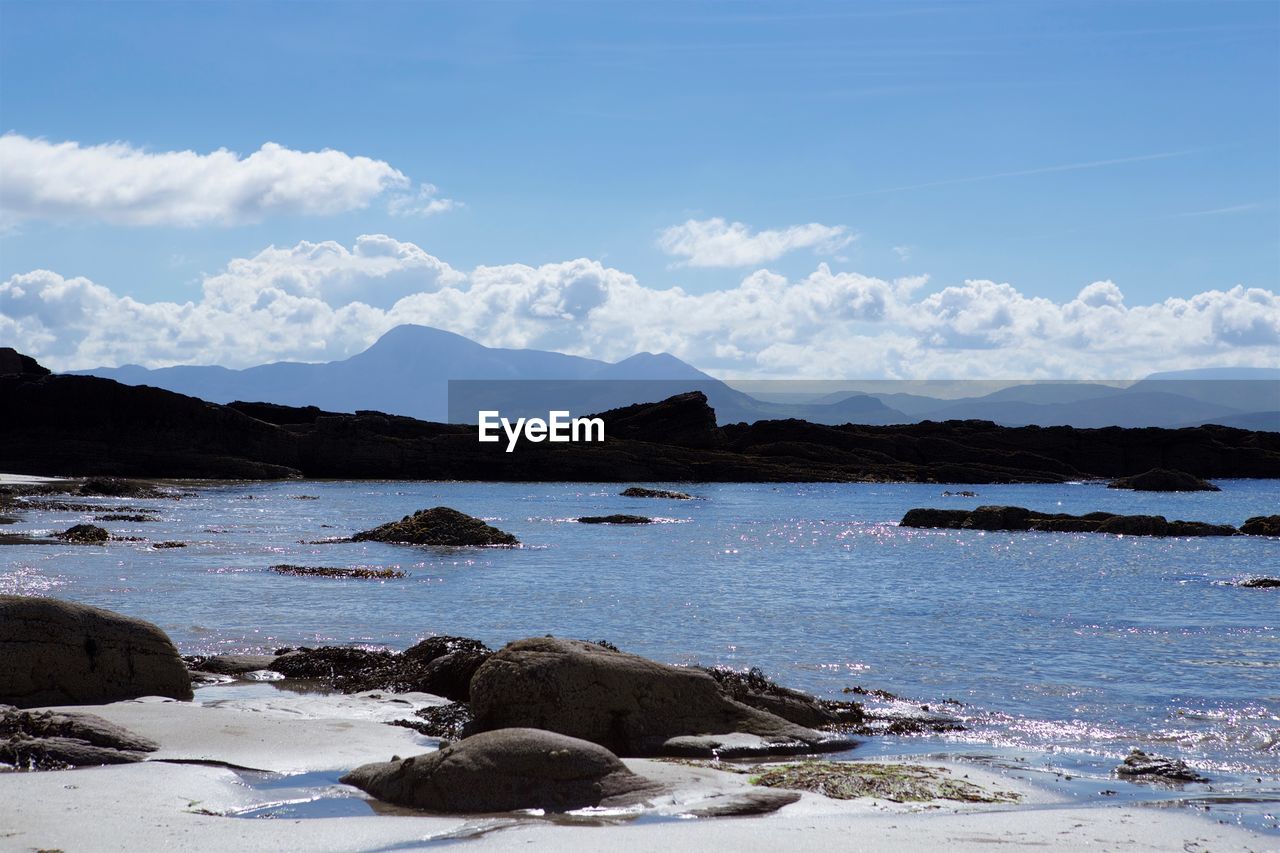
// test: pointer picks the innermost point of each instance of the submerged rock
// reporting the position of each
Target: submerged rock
(1260, 583)
(1163, 480)
(1138, 766)
(1262, 525)
(54, 741)
(115, 488)
(437, 526)
(506, 770)
(641, 492)
(623, 702)
(615, 519)
(84, 534)
(361, 572)
(58, 653)
(121, 516)
(1019, 518)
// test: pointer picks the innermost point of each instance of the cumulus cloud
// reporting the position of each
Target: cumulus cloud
(322, 301)
(717, 243)
(120, 184)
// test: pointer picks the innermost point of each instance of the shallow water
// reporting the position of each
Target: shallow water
(1079, 645)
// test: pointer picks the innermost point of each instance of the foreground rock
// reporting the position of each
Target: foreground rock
(53, 741)
(1019, 518)
(443, 666)
(506, 770)
(641, 492)
(58, 653)
(438, 526)
(1138, 766)
(1163, 480)
(624, 702)
(615, 519)
(1262, 525)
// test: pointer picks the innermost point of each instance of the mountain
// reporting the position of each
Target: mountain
(434, 375)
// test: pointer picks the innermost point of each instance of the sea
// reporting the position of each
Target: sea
(1057, 652)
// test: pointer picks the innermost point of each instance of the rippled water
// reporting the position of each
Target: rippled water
(1074, 644)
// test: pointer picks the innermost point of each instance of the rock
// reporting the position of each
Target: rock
(942, 518)
(614, 519)
(14, 363)
(1163, 480)
(115, 488)
(442, 666)
(54, 741)
(427, 650)
(231, 664)
(163, 545)
(754, 689)
(1019, 518)
(506, 770)
(1262, 525)
(447, 722)
(1260, 583)
(1138, 766)
(437, 526)
(339, 665)
(360, 572)
(121, 516)
(744, 803)
(641, 492)
(84, 534)
(999, 518)
(623, 702)
(59, 653)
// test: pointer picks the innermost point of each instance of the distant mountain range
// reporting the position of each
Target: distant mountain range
(408, 371)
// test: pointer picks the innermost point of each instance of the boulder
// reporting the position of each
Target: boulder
(49, 740)
(1163, 480)
(84, 534)
(59, 653)
(999, 518)
(621, 701)
(505, 770)
(754, 689)
(614, 519)
(1262, 525)
(1138, 766)
(437, 526)
(1135, 525)
(939, 518)
(641, 492)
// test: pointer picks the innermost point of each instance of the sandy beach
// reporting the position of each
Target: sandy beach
(239, 751)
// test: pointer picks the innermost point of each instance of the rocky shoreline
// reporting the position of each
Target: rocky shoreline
(101, 427)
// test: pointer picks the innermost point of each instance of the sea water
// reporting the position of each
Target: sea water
(1066, 650)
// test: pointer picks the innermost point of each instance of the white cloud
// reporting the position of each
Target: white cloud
(321, 301)
(717, 243)
(424, 203)
(123, 185)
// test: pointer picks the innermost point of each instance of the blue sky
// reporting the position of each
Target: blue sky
(1043, 145)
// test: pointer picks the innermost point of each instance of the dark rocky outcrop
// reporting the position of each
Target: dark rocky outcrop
(84, 534)
(14, 363)
(97, 426)
(753, 688)
(442, 666)
(1164, 480)
(437, 526)
(514, 768)
(47, 740)
(1138, 766)
(230, 664)
(124, 516)
(112, 487)
(447, 722)
(615, 519)
(1019, 518)
(59, 653)
(1260, 583)
(641, 492)
(623, 702)
(1262, 525)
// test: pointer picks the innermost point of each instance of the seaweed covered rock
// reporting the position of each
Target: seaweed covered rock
(84, 534)
(621, 701)
(59, 653)
(1018, 518)
(1262, 525)
(1163, 480)
(642, 492)
(1139, 766)
(505, 770)
(438, 526)
(48, 740)
(755, 689)
(442, 666)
